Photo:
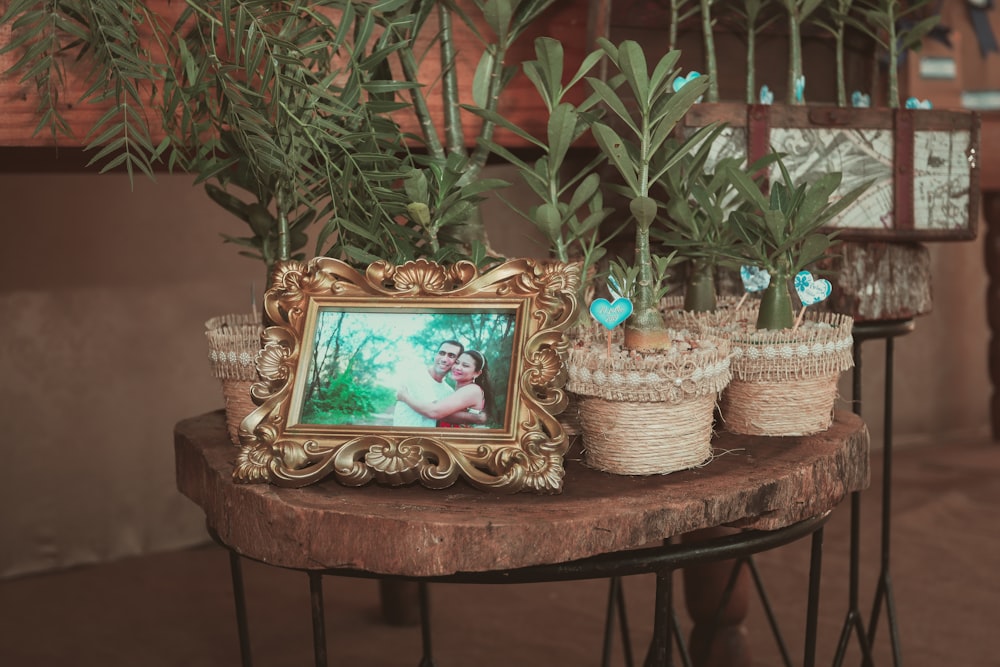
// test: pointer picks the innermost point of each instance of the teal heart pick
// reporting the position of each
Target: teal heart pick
(681, 80)
(810, 290)
(755, 279)
(611, 313)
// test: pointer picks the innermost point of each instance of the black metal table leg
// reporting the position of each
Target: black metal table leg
(616, 608)
(663, 561)
(318, 618)
(240, 600)
(812, 606)
(427, 658)
(883, 591)
(660, 648)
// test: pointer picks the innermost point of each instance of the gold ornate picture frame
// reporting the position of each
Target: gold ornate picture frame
(344, 351)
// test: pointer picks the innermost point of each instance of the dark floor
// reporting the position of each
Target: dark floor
(176, 609)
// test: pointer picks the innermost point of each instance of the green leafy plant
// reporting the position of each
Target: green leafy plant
(680, 11)
(698, 204)
(507, 20)
(286, 102)
(285, 111)
(890, 24)
(782, 232)
(637, 148)
(834, 21)
(570, 208)
(798, 14)
(627, 276)
(754, 18)
(708, 38)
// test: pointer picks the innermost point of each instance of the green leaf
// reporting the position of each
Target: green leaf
(607, 95)
(415, 186)
(497, 14)
(561, 133)
(588, 64)
(812, 248)
(615, 148)
(632, 63)
(776, 224)
(548, 69)
(548, 219)
(585, 191)
(818, 195)
(504, 122)
(644, 209)
(482, 78)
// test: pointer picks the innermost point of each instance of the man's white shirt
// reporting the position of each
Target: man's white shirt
(422, 385)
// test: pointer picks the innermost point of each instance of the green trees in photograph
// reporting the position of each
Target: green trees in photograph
(340, 385)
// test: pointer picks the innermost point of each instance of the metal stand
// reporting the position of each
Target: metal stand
(883, 591)
(663, 560)
(616, 605)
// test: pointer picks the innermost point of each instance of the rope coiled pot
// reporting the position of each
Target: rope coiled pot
(648, 414)
(233, 343)
(785, 382)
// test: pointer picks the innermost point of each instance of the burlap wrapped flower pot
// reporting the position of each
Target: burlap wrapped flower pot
(731, 314)
(648, 414)
(785, 381)
(233, 342)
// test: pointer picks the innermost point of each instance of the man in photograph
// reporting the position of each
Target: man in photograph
(428, 382)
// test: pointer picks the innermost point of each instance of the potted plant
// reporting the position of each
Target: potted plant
(698, 203)
(785, 369)
(569, 208)
(646, 399)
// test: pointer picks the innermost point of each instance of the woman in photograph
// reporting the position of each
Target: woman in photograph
(466, 406)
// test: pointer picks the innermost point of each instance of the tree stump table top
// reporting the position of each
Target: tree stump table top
(753, 482)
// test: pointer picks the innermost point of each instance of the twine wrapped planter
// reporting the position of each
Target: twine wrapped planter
(720, 322)
(233, 342)
(785, 382)
(648, 414)
(582, 336)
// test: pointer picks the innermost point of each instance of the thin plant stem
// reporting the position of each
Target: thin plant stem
(454, 137)
(795, 49)
(709, 41)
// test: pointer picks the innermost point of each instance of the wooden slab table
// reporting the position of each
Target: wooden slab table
(601, 525)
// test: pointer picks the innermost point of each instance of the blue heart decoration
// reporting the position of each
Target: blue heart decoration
(681, 80)
(755, 279)
(766, 95)
(914, 103)
(811, 291)
(861, 100)
(609, 313)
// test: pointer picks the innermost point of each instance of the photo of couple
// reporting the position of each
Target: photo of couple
(407, 370)
(427, 400)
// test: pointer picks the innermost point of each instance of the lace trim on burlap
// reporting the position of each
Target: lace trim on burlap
(671, 376)
(233, 342)
(821, 346)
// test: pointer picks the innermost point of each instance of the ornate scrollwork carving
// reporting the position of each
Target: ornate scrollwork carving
(525, 455)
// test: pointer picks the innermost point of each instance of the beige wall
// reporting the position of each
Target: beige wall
(105, 292)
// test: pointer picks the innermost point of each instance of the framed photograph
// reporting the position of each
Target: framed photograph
(412, 373)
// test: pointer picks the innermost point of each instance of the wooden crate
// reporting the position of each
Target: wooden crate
(924, 162)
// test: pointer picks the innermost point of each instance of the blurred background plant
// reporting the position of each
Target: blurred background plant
(698, 204)
(286, 112)
(781, 232)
